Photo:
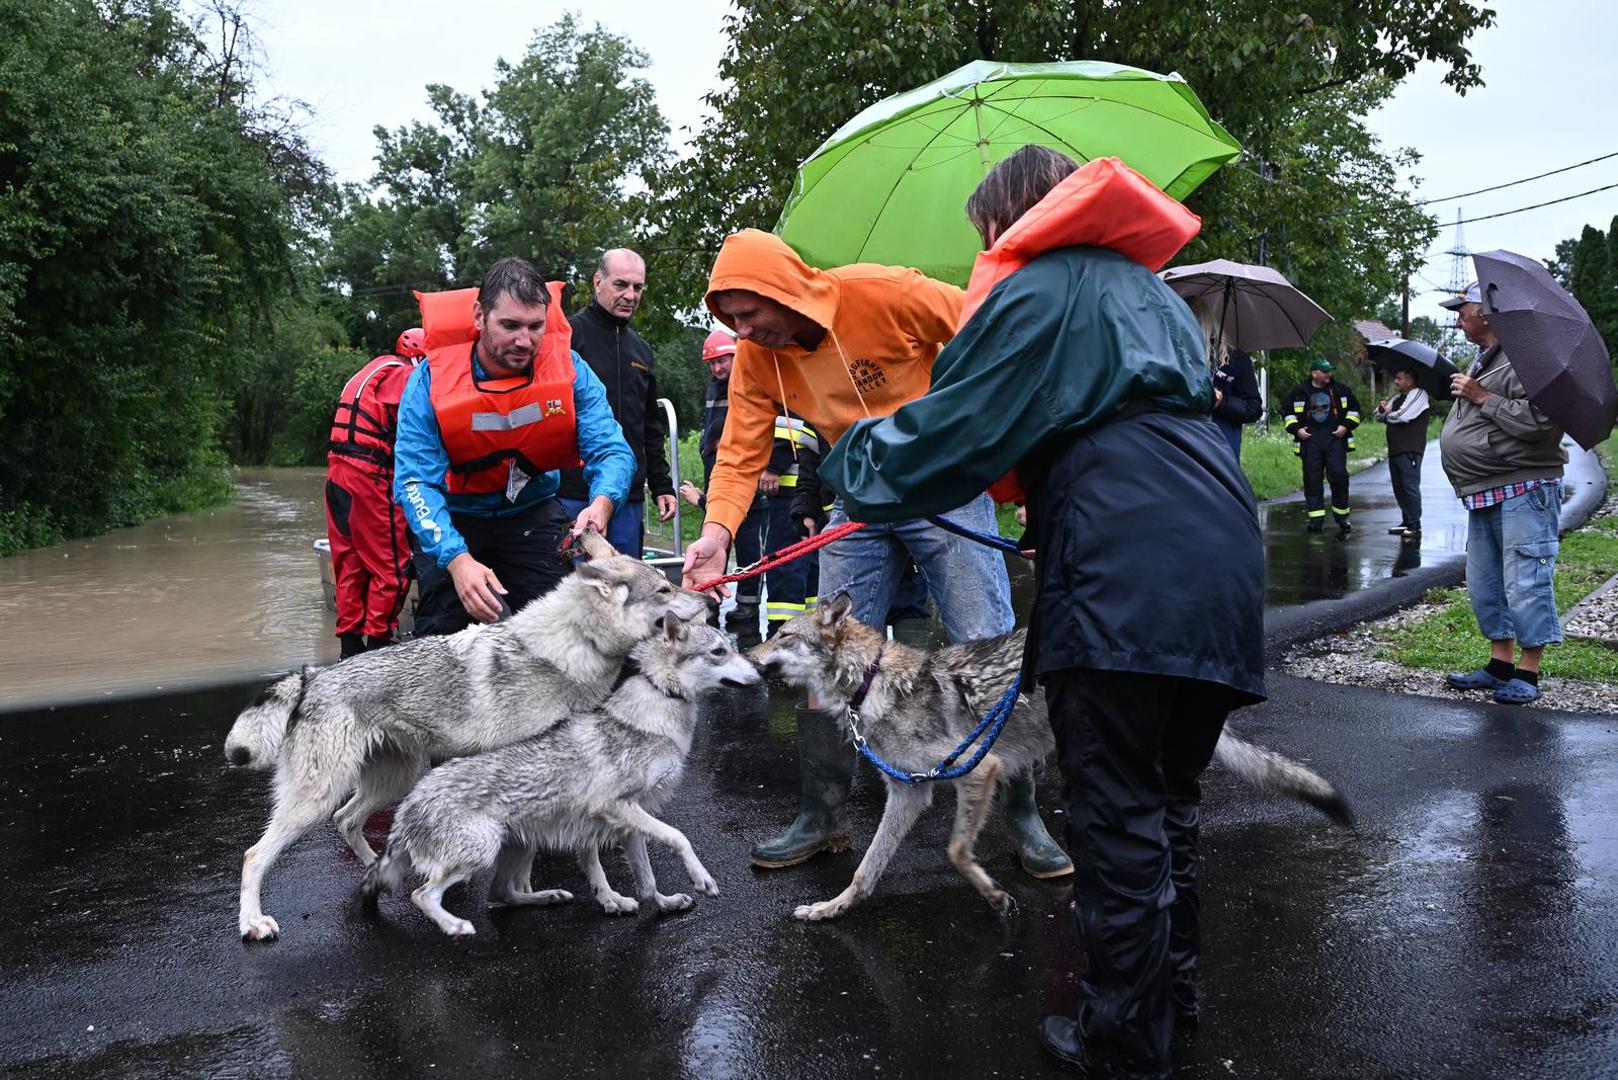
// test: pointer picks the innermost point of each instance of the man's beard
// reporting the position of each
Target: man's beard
(514, 360)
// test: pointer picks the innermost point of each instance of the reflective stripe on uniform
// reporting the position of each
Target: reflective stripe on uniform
(782, 611)
(794, 430)
(1340, 511)
(1317, 513)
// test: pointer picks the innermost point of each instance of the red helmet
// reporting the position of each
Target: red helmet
(412, 344)
(718, 343)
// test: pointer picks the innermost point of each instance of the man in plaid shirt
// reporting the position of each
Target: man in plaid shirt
(1504, 458)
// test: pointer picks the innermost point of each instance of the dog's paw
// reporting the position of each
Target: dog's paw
(829, 909)
(1004, 904)
(669, 904)
(260, 928)
(457, 927)
(617, 904)
(703, 884)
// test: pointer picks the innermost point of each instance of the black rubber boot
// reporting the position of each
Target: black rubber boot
(351, 643)
(1042, 857)
(825, 770)
(742, 621)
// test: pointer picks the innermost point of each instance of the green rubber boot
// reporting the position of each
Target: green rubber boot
(825, 770)
(1042, 857)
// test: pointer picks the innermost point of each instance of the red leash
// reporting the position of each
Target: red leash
(786, 554)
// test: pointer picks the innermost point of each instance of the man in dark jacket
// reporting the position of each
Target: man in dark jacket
(622, 360)
(1322, 415)
(1236, 398)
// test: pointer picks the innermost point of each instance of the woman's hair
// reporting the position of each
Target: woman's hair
(1213, 341)
(1014, 186)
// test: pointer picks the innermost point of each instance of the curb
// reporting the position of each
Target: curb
(1295, 624)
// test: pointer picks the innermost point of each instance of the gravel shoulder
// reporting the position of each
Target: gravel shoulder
(1358, 655)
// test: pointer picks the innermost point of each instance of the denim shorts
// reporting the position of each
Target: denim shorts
(967, 580)
(1510, 564)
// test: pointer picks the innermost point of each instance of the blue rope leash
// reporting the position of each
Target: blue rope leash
(993, 722)
(994, 540)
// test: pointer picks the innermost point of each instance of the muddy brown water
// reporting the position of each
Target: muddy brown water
(219, 596)
(230, 595)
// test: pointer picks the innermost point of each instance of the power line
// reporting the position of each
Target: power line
(1536, 206)
(1514, 183)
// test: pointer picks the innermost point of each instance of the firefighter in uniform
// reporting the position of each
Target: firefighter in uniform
(791, 588)
(1321, 418)
(370, 547)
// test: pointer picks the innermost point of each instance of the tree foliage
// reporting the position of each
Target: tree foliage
(1294, 86)
(144, 233)
(1592, 278)
(546, 164)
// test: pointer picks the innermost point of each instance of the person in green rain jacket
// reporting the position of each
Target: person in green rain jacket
(1087, 375)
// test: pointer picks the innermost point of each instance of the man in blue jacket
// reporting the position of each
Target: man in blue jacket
(484, 429)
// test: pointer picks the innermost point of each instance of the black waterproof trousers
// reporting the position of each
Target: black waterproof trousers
(749, 544)
(1131, 747)
(1325, 456)
(520, 549)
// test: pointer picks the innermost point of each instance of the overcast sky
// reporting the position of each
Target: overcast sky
(1549, 67)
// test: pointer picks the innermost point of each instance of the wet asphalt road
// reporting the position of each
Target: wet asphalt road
(1467, 929)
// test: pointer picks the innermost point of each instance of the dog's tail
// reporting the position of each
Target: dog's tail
(255, 738)
(386, 874)
(1269, 771)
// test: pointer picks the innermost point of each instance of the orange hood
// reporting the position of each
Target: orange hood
(1104, 204)
(762, 263)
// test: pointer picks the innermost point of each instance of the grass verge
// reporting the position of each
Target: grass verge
(1449, 639)
(1273, 469)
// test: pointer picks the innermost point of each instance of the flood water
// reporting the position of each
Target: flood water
(196, 599)
(233, 594)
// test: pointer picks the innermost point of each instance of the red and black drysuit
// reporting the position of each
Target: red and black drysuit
(370, 547)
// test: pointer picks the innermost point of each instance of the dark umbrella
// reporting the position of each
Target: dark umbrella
(1395, 354)
(1552, 344)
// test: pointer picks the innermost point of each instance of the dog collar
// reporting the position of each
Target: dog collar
(858, 699)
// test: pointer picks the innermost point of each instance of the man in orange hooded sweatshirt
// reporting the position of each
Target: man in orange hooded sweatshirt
(835, 346)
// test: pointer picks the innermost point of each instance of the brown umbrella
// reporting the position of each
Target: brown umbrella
(1259, 308)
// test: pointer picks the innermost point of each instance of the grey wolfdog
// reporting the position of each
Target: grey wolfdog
(918, 708)
(368, 725)
(590, 780)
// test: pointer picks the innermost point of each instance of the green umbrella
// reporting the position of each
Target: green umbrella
(890, 186)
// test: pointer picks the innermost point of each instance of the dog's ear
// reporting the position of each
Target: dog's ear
(673, 629)
(833, 613)
(600, 577)
(595, 545)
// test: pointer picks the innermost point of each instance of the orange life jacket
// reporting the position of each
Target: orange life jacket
(485, 423)
(1104, 204)
(368, 412)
